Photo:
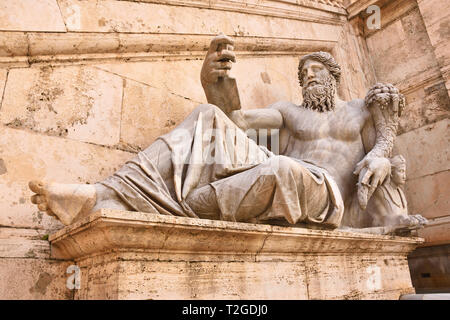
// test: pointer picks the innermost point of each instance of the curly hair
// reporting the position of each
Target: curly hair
(326, 59)
(397, 161)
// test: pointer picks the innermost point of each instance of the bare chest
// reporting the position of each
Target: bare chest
(344, 124)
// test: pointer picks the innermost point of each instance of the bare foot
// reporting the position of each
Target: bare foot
(404, 224)
(411, 222)
(66, 202)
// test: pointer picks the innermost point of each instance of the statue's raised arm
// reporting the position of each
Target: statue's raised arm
(385, 104)
(221, 90)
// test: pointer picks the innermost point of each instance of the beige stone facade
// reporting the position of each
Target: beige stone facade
(85, 85)
(136, 255)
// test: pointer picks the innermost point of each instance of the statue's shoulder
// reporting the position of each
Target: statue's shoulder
(358, 106)
(357, 103)
(284, 106)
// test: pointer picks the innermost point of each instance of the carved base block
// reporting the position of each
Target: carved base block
(134, 255)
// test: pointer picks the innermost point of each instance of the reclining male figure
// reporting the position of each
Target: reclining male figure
(331, 152)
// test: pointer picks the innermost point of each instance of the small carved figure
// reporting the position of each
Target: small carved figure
(388, 207)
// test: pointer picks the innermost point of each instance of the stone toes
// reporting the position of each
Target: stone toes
(43, 206)
(36, 186)
(50, 213)
(421, 219)
(37, 199)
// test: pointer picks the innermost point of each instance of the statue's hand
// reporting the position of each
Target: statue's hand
(218, 59)
(385, 96)
(372, 173)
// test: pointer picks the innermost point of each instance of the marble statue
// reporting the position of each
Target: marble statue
(387, 210)
(334, 155)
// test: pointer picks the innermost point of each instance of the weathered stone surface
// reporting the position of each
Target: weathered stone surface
(71, 43)
(428, 195)
(27, 278)
(262, 81)
(180, 78)
(3, 74)
(71, 47)
(125, 16)
(403, 53)
(20, 243)
(25, 156)
(79, 103)
(193, 280)
(13, 44)
(436, 232)
(150, 112)
(434, 11)
(367, 277)
(352, 53)
(164, 257)
(430, 268)
(436, 17)
(426, 104)
(31, 15)
(401, 49)
(139, 279)
(427, 145)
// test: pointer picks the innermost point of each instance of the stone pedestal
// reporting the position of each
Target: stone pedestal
(134, 255)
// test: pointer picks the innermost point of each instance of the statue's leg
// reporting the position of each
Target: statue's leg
(277, 189)
(71, 202)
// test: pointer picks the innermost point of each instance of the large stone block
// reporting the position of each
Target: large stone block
(13, 44)
(23, 243)
(428, 195)
(81, 103)
(424, 105)
(26, 156)
(430, 269)
(27, 272)
(436, 232)
(426, 149)
(126, 16)
(402, 49)
(434, 11)
(149, 112)
(34, 279)
(135, 255)
(71, 43)
(192, 280)
(436, 15)
(179, 77)
(261, 81)
(31, 15)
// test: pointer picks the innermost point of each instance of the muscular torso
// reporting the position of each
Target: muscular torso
(331, 140)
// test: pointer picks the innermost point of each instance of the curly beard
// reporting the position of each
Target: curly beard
(320, 97)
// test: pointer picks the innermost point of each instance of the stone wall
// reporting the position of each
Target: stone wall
(84, 85)
(411, 50)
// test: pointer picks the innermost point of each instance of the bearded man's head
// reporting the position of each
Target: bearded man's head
(319, 75)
